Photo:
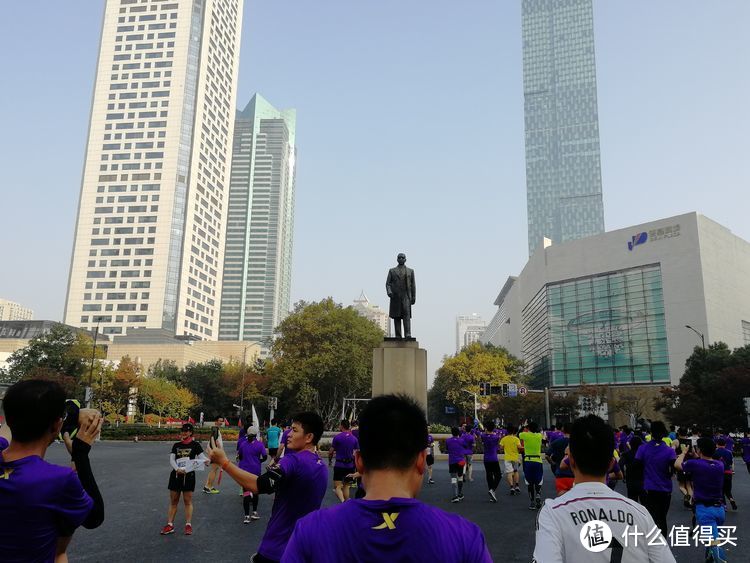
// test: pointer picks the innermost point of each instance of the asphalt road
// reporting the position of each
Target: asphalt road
(133, 479)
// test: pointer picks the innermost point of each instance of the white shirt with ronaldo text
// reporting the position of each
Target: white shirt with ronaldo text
(561, 520)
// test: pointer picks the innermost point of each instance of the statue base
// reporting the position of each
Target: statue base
(400, 366)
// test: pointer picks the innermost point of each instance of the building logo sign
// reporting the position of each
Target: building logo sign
(607, 330)
(653, 235)
(637, 240)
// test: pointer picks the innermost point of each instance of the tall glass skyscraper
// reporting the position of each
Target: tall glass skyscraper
(258, 256)
(149, 239)
(563, 170)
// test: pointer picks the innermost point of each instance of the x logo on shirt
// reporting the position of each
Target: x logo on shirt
(6, 473)
(388, 521)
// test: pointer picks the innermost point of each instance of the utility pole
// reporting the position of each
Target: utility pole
(89, 388)
(699, 333)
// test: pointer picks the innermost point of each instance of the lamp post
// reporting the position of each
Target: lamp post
(89, 390)
(244, 369)
(703, 339)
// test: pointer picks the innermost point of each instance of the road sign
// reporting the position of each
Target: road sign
(512, 390)
(450, 410)
(522, 390)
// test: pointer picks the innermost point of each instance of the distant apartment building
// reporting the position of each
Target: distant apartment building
(10, 311)
(149, 237)
(258, 254)
(563, 170)
(469, 329)
(372, 312)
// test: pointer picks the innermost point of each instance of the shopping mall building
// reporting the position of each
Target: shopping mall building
(613, 309)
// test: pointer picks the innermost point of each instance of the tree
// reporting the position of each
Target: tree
(165, 398)
(634, 403)
(60, 354)
(322, 354)
(711, 390)
(474, 364)
(165, 369)
(115, 388)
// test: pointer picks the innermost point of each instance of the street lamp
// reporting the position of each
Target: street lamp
(703, 339)
(244, 369)
(89, 389)
(476, 413)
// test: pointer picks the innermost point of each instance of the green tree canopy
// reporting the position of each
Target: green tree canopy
(322, 354)
(711, 390)
(474, 364)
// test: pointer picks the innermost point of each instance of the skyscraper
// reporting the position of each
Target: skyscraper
(563, 171)
(469, 329)
(258, 254)
(149, 238)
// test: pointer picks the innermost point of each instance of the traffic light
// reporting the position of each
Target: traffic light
(505, 389)
(484, 389)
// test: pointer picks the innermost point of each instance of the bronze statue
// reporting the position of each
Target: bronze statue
(402, 289)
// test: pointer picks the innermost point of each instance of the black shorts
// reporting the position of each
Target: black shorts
(340, 472)
(272, 452)
(456, 468)
(182, 483)
(430, 459)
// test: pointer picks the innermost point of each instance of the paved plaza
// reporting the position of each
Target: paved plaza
(133, 480)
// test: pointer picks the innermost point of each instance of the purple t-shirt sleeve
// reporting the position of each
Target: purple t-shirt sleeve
(639, 453)
(3, 443)
(295, 551)
(74, 504)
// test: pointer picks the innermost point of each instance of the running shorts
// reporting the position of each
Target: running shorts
(533, 472)
(511, 466)
(340, 472)
(182, 483)
(430, 459)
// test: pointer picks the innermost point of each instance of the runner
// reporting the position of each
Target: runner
(658, 461)
(725, 455)
(251, 454)
(510, 445)
(283, 441)
(430, 458)
(708, 494)
(560, 533)
(389, 524)
(533, 468)
(555, 454)
(468, 439)
(299, 482)
(208, 487)
(683, 445)
(633, 469)
(490, 441)
(182, 478)
(343, 447)
(564, 478)
(745, 442)
(273, 435)
(456, 460)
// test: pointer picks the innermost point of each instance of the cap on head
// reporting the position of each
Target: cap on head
(187, 427)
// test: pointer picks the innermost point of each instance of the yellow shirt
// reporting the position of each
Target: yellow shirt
(510, 445)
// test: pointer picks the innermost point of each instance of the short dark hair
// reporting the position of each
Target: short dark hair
(533, 426)
(32, 407)
(706, 446)
(392, 432)
(274, 421)
(455, 431)
(658, 430)
(721, 442)
(490, 426)
(345, 424)
(311, 423)
(592, 443)
(512, 429)
(635, 443)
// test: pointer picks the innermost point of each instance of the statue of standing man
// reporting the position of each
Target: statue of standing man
(402, 289)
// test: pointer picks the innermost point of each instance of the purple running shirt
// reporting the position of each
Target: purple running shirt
(657, 458)
(398, 529)
(344, 443)
(708, 479)
(468, 441)
(455, 447)
(35, 498)
(745, 442)
(250, 454)
(490, 441)
(301, 491)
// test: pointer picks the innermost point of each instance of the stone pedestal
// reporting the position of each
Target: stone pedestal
(400, 366)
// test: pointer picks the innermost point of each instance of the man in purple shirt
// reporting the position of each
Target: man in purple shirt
(251, 453)
(299, 481)
(456, 462)
(745, 443)
(708, 483)
(725, 455)
(468, 439)
(490, 441)
(389, 523)
(343, 446)
(42, 504)
(658, 460)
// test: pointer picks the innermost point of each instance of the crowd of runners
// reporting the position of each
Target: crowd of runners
(388, 455)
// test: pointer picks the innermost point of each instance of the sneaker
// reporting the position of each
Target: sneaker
(493, 497)
(734, 504)
(532, 505)
(455, 499)
(246, 520)
(461, 496)
(214, 491)
(188, 529)
(430, 482)
(538, 502)
(512, 492)
(255, 516)
(168, 529)
(206, 490)
(686, 501)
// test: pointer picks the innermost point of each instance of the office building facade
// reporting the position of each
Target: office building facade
(372, 312)
(149, 237)
(11, 311)
(260, 232)
(613, 309)
(563, 170)
(469, 329)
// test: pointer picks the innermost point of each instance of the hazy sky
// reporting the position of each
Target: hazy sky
(410, 137)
